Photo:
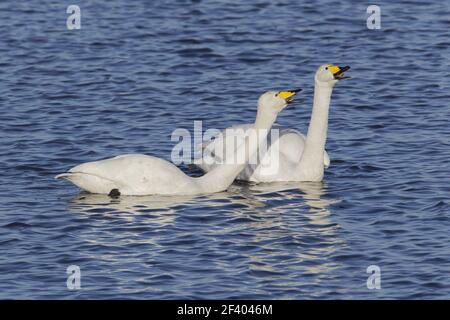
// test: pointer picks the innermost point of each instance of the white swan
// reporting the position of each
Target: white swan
(291, 157)
(140, 174)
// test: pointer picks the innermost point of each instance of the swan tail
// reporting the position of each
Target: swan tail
(65, 175)
(326, 160)
(89, 182)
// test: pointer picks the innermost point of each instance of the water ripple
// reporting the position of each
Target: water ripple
(139, 69)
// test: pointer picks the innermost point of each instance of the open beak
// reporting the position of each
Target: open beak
(338, 72)
(289, 95)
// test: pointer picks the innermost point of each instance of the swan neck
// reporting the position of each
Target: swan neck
(264, 119)
(223, 175)
(311, 166)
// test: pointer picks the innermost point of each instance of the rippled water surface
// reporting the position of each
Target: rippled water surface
(139, 69)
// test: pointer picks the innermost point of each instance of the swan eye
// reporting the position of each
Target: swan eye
(326, 68)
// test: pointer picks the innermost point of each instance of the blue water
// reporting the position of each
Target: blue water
(139, 69)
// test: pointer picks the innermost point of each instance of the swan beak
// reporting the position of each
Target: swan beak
(289, 95)
(338, 72)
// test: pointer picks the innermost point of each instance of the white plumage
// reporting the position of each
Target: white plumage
(291, 156)
(137, 174)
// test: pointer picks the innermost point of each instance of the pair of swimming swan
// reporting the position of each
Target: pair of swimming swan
(300, 158)
(291, 157)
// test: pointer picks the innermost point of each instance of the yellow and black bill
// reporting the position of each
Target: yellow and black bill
(338, 72)
(288, 95)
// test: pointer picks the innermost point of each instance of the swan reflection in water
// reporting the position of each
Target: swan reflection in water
(273, 226)
(252, 197)
(302, 213)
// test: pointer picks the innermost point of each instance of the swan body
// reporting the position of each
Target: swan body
(291, 156)
(277, 167)
(132, 174)
(138, 174)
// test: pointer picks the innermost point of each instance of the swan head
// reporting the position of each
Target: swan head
(329, 74)
(275, 101)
